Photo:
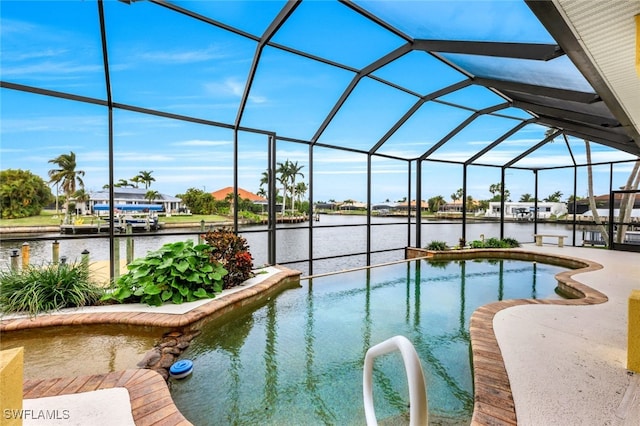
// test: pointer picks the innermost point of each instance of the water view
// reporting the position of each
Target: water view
(292, 241)
(298, 359)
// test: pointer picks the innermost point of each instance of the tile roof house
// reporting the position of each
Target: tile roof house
(221, 194)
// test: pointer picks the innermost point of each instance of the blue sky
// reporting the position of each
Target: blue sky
(164, 61)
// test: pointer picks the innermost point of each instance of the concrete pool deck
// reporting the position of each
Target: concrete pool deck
(567, 364)
(548, 363)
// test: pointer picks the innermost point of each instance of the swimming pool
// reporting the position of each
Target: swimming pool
(298, 358)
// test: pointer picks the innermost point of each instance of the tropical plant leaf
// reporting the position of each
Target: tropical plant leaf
(166, 295)
(200, 293)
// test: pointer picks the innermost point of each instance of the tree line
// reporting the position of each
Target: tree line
(25, 194)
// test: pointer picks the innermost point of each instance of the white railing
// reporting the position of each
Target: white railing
(418, 408)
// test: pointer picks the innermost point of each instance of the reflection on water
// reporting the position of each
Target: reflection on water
(77, 351)
(298, 358)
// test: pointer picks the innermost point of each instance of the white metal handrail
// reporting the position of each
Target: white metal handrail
(418, 408)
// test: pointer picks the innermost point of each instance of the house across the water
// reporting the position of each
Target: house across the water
(133, 197)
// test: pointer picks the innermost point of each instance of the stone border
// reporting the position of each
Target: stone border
(493, 400)
(151, 402)
(218, 306)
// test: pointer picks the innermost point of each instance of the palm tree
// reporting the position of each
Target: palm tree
(135, 181)
(264, 179)
(283, 177)
(66, 175)
(554, 198)
(436, 202)
(470, 205)
(592, 199)
(300, 189)
(294, 171)
(527, 198)
(151, 195)
(457, 195)
(496, 190)
(145, 177)
(123, 183)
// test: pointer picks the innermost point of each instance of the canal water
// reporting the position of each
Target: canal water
(388, 237)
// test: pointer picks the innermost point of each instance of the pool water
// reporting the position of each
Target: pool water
(298, 358)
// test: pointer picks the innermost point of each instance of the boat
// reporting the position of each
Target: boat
(140, 217)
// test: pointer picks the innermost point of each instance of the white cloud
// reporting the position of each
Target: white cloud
(182, 56)
(232, 86)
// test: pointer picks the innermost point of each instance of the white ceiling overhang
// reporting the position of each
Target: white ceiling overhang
(606, 33)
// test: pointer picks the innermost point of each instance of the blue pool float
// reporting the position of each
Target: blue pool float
(181, 369)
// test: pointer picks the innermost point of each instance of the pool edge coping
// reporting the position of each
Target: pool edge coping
(149, 397)
(152, 319)
(145, 387)
(493, 398)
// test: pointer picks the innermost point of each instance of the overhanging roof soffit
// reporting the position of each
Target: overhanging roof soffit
(548, 14)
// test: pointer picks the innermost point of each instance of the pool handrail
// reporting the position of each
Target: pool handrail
(418, 404)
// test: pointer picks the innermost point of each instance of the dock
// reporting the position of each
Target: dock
(103, 226)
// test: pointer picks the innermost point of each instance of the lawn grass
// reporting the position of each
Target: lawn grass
(46, 218)
(50, 218)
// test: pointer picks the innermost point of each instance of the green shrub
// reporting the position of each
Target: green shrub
(493, 243)
(250, 216)
(477, 244)
(437, 246)
(511, 242)
(232, 252)
(177, 272)
(38, 289)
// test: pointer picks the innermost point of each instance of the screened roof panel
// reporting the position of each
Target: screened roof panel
(511, 147)
(371, 110)
(515, 112)
(480, 133)
(510, 21)
(557, 73)
(64, 54)
(292, 94)
(332, 31)
(164, 60)
(474, 97)
(420, 73)
(423, 130)
(596, 112)
(251, 16)
(552, 154)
